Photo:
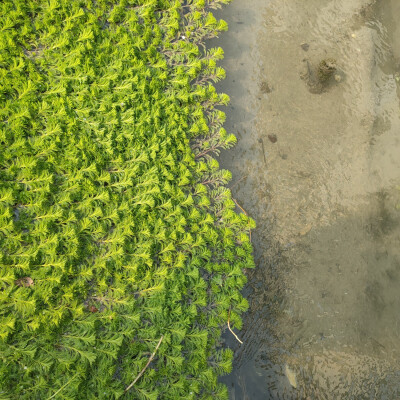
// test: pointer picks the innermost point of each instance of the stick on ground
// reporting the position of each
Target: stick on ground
(233, 333)
(148, 363)
(243, 177)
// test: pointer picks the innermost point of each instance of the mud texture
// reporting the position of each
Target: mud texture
(322, 78)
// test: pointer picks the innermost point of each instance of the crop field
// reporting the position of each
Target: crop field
(121, 254)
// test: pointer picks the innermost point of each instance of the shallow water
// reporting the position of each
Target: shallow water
(317, 166)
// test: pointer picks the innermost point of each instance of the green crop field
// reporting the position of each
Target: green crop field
(122, 256)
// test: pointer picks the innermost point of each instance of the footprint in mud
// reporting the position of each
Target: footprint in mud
(319, 78)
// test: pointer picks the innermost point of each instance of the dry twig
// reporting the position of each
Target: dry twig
(229, 327)
(148, 363)
(243, 177)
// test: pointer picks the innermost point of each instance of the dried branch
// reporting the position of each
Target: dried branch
(148, 363)
(243, 177)
(233, 333)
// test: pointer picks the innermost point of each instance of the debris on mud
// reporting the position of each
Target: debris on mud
(263, 150)
(319, 78)
(264, 87)
(284, 156)
(272, 138)
(305, 230)
(305, 46)
(291, 376)
(326, 69)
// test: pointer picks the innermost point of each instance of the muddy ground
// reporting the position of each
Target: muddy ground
(317, 166)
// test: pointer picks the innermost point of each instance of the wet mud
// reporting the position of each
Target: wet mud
(315, 89)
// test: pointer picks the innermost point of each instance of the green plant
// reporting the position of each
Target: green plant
(114, 231)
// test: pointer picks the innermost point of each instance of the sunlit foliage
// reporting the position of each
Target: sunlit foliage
(115, 224)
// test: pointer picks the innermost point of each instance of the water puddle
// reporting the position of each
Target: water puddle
(315, 103)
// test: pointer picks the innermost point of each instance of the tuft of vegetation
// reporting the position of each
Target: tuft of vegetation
(117, 233)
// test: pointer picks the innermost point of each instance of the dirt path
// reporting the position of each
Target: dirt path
(319, 159)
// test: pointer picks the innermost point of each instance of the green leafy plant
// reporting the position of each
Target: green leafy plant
(116, 229)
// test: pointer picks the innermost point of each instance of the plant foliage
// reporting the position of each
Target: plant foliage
(115, 224)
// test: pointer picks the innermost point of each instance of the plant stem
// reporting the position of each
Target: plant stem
(148, 363)
(62, 387)
(245, 213)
